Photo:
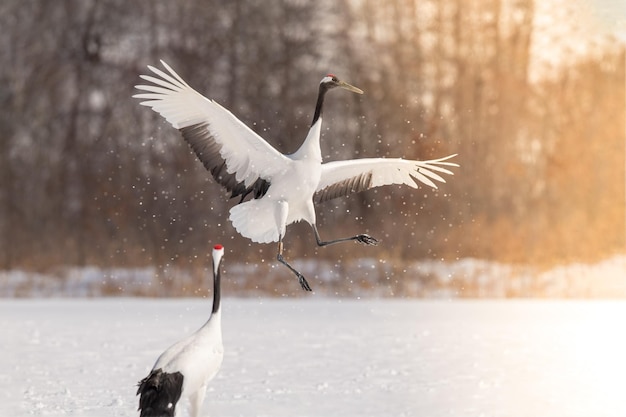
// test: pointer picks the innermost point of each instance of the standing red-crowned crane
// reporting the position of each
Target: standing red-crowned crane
(284, 187)
(183, 371)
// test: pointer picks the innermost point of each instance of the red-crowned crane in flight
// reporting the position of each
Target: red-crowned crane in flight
(183, 371)
(284, 188)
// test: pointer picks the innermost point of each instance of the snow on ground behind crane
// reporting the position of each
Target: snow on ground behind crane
(323, 357)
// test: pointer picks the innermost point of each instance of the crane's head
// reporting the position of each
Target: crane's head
(331, 81)
(218, 252)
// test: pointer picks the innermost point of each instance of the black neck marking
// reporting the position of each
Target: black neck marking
(216, 286)
(320, 102)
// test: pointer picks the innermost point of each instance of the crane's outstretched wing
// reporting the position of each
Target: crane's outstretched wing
(239, 159)
(341, 178)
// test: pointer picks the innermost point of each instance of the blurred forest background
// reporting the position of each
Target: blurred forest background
(536, 115)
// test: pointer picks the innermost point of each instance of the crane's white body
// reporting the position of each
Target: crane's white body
(294, 179)
(289, 198)
(196, 359)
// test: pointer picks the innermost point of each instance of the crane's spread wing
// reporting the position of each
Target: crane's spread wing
(238, 158)
(341, 178)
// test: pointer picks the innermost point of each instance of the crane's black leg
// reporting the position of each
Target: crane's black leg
(363, 238)
(305, 285)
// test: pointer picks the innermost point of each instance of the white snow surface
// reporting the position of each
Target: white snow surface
(323, 356)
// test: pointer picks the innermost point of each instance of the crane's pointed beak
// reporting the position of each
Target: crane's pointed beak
(349, 87)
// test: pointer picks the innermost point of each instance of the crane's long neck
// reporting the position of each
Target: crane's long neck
(216, 288)
(310, 148)
(320, 103)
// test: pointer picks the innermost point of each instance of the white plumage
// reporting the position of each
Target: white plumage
(284, 187)
(184, 370)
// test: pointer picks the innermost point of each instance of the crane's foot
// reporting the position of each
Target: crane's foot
(303, 283)
(366, 240)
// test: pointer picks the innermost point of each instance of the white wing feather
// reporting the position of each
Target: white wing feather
(341, 178)
(247, 154)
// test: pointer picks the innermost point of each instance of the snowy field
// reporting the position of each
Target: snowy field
(323, 357)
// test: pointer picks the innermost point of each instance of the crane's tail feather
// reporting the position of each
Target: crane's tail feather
(159, 392)
(256, 220)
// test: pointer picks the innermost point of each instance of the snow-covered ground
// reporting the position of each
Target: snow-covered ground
(323, 357)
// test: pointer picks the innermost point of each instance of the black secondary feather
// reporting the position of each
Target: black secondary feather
(159, 393)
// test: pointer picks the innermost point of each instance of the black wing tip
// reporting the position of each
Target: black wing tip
(208, 152)
(159, 392)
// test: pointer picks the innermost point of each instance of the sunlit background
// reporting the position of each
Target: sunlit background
(100, 195)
